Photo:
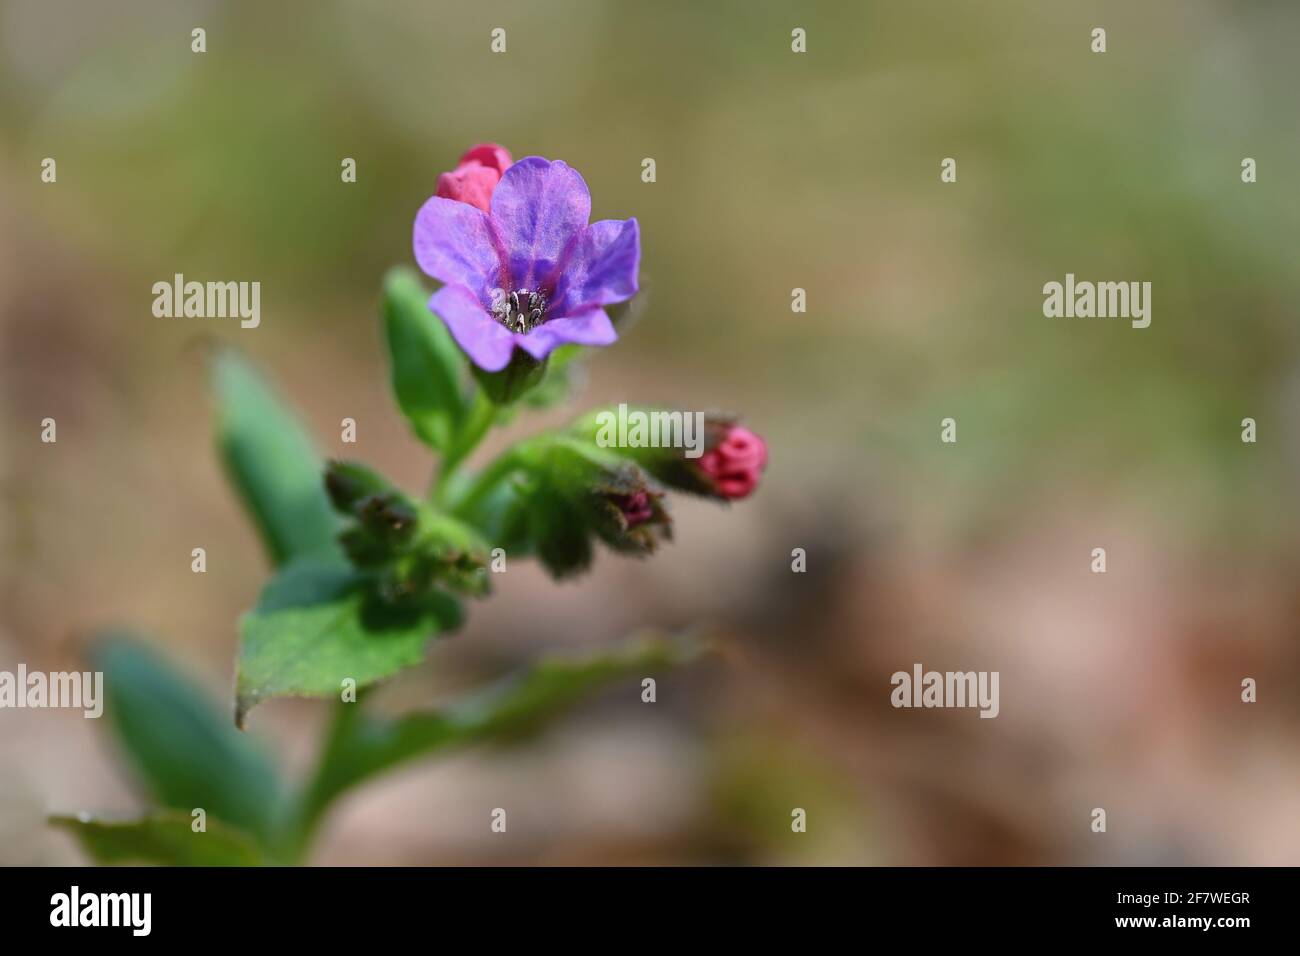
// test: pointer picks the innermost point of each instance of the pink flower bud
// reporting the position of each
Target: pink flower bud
(637, 508)
(490, 155)
(477, 174)
(735, 462)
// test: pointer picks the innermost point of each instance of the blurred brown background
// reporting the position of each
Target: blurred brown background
(775, 171)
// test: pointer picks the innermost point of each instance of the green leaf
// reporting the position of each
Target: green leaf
(271, 462)
(363, 745)
(427, 367)
(184, 750)
(318, 623)
(164, 838)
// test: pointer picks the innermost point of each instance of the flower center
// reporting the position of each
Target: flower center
(521, 311)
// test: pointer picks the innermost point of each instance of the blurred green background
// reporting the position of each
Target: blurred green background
(775, 170)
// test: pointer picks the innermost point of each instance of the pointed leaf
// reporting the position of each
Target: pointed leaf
(271, 463)
(167, 839)
(318, 623)
(365, 744)
(181, 745)
(427, 368)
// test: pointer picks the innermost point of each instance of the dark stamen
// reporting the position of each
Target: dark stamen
(521, 311)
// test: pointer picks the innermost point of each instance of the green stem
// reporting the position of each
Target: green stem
(486, 481)
(316, 796)
(480, 417)
(359, 746)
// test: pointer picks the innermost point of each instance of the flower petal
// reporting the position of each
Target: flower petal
(592, 327)
(538, 209)
(469, 182)
(492, 155)
(455, 243)
(486, 341)
(602, 267)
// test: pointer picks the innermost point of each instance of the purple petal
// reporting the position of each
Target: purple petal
(486, 341)
(602, 267)
(592, 327)
(538, 209)
(454, 242)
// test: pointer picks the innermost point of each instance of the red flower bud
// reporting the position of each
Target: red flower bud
(477, 174)
(735, 462)
(637, 508)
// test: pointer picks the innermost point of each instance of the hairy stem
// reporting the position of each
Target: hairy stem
(486, 481)
(481, 416)
(309, 808)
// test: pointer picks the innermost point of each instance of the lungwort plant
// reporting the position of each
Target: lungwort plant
(366, 572)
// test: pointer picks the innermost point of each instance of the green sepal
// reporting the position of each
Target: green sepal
(410, 545)
(571, 492)
(514, 381)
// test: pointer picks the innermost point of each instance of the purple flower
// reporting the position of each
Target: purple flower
(530, 272)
